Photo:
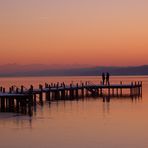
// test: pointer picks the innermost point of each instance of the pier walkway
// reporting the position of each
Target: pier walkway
(22, 98)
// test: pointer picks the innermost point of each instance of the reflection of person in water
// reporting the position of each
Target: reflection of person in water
(103, 78)
(107, 78)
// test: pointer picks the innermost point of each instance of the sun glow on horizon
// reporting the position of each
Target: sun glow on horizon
(93, 32)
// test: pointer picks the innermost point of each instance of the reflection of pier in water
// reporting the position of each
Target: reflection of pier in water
(23, 100)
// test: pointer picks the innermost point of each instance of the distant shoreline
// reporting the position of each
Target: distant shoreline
(92, 71)
(73, 76)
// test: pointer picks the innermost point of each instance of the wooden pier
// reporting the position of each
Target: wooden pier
(21, 100)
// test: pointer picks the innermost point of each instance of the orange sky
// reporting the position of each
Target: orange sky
(95, 32)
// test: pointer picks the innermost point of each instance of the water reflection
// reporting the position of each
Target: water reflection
(106, 105)
(102, 121)
(32, 110)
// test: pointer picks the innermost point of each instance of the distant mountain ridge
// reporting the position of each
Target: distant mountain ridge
(46, 70)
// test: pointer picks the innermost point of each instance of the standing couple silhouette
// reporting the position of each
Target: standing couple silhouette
(105, 78)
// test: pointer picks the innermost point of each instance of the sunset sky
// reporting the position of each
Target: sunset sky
(94, 32)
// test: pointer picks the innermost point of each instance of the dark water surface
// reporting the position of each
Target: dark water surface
(88, 123)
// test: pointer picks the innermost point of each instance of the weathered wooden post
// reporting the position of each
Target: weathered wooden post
(30, 111)
(86, 88)
(22, 89)
(53, 94)
(22, 104)
(41, 93)
(54, 85)
(16, 90)
(120, 88)
(31, 99)
(17, 102)
(11, 99)
(1, 89)
(8, 100)
(12, 87)
(82, 89)
(24, 107)
(135, 88)
(51, 84)
(131, 90)
(63, 91)
(2, 104)
(77, 90)
(4, 90)
(97, 89)
(71, 93)
(56, 91)
(32, 95)
(48, 94)
(141, 89)
(3, 100)
(7, 104)
(46, 85)
(138, 89)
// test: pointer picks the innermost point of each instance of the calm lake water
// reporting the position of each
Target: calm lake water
(88, 123)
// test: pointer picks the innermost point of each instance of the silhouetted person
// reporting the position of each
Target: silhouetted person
(107, 78)
(103, 78)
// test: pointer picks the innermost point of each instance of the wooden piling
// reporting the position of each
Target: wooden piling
(121, 88)
(22, 89)
(77, 90)
(131, 89)
(31, 99)
(82, 90)
(41, 93)
(48, 94)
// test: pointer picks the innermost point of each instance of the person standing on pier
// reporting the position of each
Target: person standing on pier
(103, 78)
(107, 78)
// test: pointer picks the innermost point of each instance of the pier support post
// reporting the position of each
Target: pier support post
(48, 94)
(131, 90)
(138, 89)
(82, 89)
(63, 92)
(22, 89)
(31, 100)
(120, 88)
(1, 89)
(141, 89)
(41, 93)
(77, 90)
(71, 92)
(2, 104)
(10, 101)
